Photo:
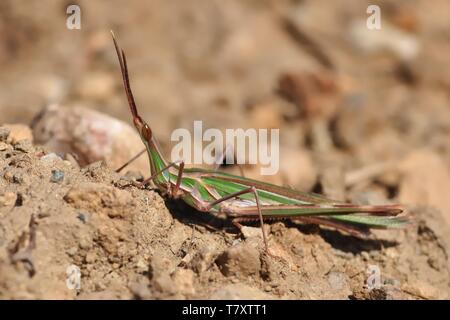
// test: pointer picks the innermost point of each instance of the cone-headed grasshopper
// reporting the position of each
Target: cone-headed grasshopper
(245, 199)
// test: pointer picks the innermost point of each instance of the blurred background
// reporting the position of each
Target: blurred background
(361, 112)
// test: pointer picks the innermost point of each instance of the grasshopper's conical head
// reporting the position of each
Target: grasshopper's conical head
(141, 126)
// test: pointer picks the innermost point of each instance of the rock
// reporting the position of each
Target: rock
(240, 260)
(251, 232)
(3, 146)
(71, 159)
(86, 243)
(51, 157)
(7, 199)
(240, 291)
(17, 132)
(72, 251)
(21, 178)
(141, 265)
(426, 181)
(4, 133)
(134, 176)
(57, 176)
(203, 259)
(254, 234)
(83, 217)
(91, 257)
(23, 145)
(96, 197)
(91, 136)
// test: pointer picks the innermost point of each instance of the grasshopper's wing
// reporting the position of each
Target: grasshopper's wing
(372, 216)
(281, 203)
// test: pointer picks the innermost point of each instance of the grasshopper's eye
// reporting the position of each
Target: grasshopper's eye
(146, 132)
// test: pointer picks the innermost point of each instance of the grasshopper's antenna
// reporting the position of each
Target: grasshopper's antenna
(126, 80)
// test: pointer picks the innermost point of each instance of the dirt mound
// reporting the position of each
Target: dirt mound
(127, 244)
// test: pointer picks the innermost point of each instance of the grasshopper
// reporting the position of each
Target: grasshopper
(243, 199)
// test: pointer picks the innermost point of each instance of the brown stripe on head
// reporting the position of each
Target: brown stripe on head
(146, 132)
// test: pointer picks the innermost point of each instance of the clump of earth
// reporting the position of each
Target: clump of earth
(57, 219)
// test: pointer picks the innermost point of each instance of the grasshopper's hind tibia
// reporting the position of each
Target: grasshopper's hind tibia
(258, 205)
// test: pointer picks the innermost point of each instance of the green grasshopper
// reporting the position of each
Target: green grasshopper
(244, 199)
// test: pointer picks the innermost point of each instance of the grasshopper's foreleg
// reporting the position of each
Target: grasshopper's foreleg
(146, 181)
(179, 177)
(130, 161)
(237, 194)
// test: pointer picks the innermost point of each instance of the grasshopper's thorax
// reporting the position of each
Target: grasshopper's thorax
(157, 165)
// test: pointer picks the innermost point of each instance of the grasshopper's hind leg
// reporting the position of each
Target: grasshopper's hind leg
(237, 194)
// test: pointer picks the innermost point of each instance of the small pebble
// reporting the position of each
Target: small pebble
(7, 199)
(72, 160)
(91, 257)
(365, 256)
(57, 176)
(85, 243)
(4, 133)
(18, 132)
(50, 157)
(83, 217)
(67, 163)
(134, 176)
(141, 265)
(8, 175)
(42, 215)
(344, 255)
(23, 145)
(3, 146)
(18, 178)
(72, 251)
